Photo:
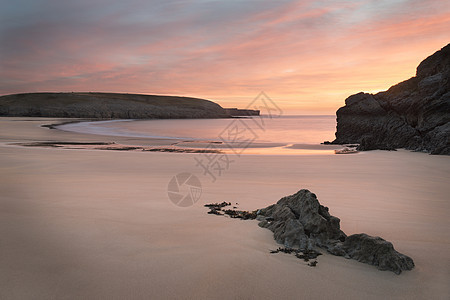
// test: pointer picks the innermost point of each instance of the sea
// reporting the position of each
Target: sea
(280, 130)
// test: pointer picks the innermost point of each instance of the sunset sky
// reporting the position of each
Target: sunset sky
(308, 56)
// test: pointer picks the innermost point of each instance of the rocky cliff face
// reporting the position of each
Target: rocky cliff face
(107, 105)
(414, 114)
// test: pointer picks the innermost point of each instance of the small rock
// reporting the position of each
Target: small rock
(313, 263)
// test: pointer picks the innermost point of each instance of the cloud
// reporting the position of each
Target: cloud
(224, 50)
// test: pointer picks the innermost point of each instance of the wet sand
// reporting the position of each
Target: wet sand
(99, 224)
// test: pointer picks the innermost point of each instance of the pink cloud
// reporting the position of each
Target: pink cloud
(306, 56)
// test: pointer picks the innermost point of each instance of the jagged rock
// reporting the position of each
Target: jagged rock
(414, 114)
(374, 251)
(299, 220)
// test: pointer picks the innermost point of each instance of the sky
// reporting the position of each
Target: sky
(307, 56)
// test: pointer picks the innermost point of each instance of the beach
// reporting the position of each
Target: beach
(97, 224)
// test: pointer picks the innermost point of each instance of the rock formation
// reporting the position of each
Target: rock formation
(107, 106)
(373, 250)
(242, 112)
(414, 114)
(300, 221)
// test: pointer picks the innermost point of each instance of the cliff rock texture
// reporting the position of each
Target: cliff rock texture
(414, 114)
(107, 106)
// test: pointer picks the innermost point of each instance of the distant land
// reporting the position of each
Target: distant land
(414, 114)
(108, 106)
(242, 112)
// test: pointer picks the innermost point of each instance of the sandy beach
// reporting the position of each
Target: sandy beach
(95, 224)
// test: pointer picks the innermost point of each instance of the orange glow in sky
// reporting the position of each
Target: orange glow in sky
(308, 56)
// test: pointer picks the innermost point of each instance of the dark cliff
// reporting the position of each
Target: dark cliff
(107, 106)
(414, 114)
(242, 112)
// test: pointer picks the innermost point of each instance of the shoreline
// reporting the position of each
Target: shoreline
(99, 224)
(174, 144)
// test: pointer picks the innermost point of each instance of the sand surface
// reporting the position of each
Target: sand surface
(97, 224)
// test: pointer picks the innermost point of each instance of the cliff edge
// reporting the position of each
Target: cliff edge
(107, 106)
(414, 114)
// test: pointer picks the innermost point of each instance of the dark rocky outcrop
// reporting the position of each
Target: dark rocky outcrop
(373, 250)
(242, 112)
(107, 106)
(414, 114)
(300, 221)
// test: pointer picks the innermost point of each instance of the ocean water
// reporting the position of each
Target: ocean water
(284, 130)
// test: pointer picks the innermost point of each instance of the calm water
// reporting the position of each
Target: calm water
(284, 129)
